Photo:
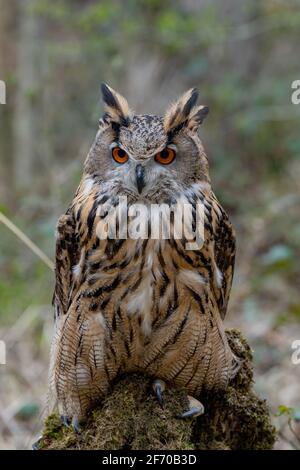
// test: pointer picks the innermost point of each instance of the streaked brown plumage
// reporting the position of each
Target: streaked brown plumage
(141, 305)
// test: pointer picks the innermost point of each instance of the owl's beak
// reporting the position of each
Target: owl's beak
(140, 181)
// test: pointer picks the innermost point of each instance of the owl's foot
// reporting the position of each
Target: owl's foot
(75, 425)
(195, 409)
(159, 387)
(36, 444)
(66, 421)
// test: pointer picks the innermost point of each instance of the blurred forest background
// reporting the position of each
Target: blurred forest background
(243, 57)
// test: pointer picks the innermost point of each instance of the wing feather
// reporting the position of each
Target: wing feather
(66, 257)
(224, 255)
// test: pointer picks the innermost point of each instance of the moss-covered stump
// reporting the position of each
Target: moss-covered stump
(130, 417)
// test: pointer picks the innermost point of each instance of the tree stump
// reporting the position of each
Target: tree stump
(131, 419)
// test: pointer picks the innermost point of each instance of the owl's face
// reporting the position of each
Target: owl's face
(148, 158)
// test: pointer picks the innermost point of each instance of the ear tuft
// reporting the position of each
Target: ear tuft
(108, 96)
(190, 102)
(180, 114)
(197, 117)
(117, 110)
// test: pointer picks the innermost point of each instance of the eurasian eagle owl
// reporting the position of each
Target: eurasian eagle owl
(141, 304)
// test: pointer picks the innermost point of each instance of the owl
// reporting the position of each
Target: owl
(145, 305)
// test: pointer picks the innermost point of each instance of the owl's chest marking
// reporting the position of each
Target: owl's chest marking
(140, 302)
(145, 279)
(142, 279)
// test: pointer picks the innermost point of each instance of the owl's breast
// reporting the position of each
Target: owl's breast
(147, 280)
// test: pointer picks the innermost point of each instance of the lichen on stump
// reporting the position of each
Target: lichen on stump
(130, 417)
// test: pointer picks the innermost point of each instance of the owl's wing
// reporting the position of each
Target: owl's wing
(67, 254)
(224, 247)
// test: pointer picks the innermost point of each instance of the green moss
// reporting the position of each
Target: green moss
(130, 417)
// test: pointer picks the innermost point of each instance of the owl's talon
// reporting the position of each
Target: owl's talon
(65, 421)
(159, 387)
(75, 426)
(36, 444)
(195, 409)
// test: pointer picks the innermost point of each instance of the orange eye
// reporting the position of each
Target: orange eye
(119, 155)
(166, 156)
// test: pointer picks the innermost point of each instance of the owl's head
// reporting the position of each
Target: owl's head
(146, 157)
